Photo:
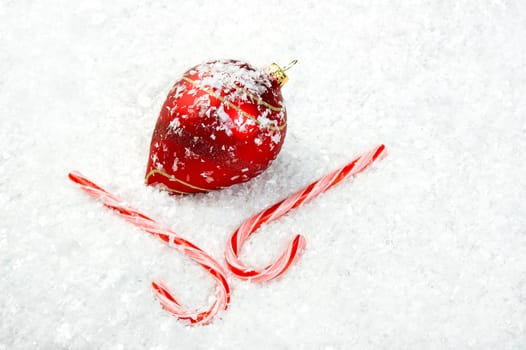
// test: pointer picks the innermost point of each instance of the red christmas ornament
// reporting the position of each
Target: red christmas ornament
(223, 123)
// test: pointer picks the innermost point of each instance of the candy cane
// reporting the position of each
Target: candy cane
(296, 246)
(173, 240)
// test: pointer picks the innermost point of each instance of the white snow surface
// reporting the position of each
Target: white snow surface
(425, 250)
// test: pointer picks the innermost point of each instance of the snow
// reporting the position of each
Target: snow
(227, 75)
(425, 250)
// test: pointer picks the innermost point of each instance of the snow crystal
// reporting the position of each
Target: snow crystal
(174, 124)
(207, 176)
(276, 137)
(225, 124)
(175, 165)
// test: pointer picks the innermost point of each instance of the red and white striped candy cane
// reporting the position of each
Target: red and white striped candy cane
(173, 240)
(296, 246)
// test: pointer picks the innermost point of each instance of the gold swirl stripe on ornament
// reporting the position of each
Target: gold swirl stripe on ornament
(260, 100)
(239, 110)
(173, 178)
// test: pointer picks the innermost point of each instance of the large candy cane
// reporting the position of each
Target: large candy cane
(296, 246)
(173, 240)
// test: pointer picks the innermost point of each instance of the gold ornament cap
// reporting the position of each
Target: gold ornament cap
(278, 73)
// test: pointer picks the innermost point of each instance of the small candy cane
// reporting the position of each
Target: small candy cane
(296, 246)
(173, 240)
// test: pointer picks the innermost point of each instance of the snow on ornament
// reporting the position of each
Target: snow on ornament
(222, 123)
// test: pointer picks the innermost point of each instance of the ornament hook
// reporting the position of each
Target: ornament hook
(290, 65)
(278, 73)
